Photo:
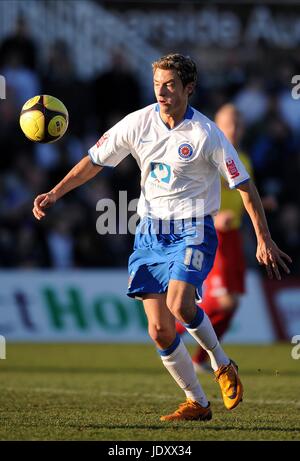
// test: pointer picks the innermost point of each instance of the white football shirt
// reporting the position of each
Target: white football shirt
(179, 167)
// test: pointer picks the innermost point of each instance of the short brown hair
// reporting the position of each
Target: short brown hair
(184, 66)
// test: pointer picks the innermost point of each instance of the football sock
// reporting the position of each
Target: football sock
(201, 329)
(220, 320)
(179, 364)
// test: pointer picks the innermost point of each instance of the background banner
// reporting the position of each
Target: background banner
(92, 306)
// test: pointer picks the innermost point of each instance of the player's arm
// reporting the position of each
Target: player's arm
(268, 253)
(82, 172)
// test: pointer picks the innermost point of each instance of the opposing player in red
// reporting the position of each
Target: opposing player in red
(226, 281)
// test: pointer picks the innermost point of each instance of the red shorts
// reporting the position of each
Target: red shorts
(228, 272)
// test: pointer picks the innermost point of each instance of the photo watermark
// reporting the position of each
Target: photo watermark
(170, 216)
(2, 348)
(2, 87)
(296, 89)
(295, 353)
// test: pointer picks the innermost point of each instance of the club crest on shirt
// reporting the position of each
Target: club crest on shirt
(185, 151)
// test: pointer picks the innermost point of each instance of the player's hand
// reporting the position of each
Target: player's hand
(269, 255)
(41, 202)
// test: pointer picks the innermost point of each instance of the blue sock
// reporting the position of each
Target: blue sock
(171, 348)
(197, 319)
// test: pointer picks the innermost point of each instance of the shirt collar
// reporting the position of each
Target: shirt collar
(188, 113)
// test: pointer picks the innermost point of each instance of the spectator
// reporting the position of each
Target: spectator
(110, 99)
(251, 101)
(20, 46)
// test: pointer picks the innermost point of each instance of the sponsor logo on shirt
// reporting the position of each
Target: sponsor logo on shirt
(161, 172)
(185, 151)
(232, 169)
(102, 140)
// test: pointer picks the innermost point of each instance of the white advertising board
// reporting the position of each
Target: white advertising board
(92, 306)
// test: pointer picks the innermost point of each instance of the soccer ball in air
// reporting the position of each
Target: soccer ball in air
(44, 119)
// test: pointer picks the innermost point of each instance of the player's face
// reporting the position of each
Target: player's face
(169, 91)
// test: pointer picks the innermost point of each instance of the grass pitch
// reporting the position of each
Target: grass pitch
(117, 392)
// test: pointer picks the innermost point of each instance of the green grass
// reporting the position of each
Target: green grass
(117, 392)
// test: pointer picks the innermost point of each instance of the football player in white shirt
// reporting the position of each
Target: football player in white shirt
(180, 153)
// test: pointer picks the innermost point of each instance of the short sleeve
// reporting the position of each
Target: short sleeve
(113, 146)
(221, 153)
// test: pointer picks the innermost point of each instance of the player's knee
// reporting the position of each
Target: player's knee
(162, 336)
(181, 311)
(177, 309)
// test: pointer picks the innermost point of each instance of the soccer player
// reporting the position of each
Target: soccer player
(225, 282)
(180, 153)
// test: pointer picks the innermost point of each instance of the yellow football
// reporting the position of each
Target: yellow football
(44, 119)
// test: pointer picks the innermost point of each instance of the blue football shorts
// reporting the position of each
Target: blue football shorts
(164, 250)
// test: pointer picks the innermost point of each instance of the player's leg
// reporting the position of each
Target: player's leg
(226, 281)
(176, 359)
(161, 322)
(181, 302)
(220, 311)
(223, 285)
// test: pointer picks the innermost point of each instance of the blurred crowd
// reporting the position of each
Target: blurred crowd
(68, 238)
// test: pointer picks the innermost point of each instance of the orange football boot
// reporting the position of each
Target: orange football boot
(230, 384)
(189, 411)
